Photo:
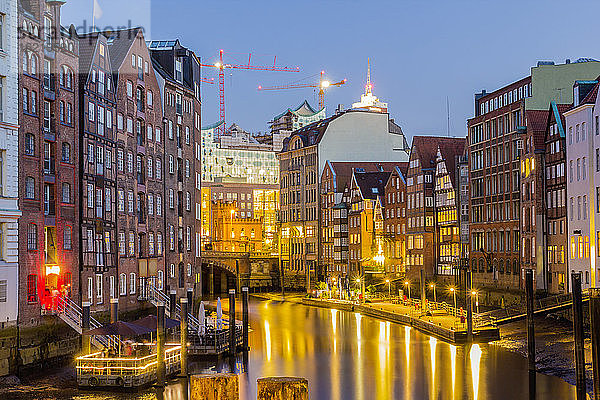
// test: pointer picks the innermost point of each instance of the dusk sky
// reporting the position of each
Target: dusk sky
(421, 51)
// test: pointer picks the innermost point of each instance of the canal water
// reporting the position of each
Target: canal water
(347, 356)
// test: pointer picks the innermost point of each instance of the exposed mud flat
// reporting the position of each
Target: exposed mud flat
(555, 348)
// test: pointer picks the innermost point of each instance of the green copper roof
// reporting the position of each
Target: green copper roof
(295, 110)
(561, 129)
(213, 126)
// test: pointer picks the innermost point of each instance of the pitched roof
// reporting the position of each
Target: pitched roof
(426, 147)
(371, 184)
(312, 133)
(87, 49)
(119, 43)
(590, 98)
(343, 170)
(450, 151)
(537, 120)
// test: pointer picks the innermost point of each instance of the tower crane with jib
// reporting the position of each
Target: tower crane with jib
(221, 66)
(322, 85)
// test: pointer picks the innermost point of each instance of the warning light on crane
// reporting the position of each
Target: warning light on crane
(322, 85)
(221, 66)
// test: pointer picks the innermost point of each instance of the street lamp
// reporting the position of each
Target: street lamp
(476, 294)
(389, 288)
(453, 291)
(407, 285)
(432, 286)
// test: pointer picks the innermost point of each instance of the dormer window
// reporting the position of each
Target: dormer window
(178, 71)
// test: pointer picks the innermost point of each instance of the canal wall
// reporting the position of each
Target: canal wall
(450, 335)
(36, 348)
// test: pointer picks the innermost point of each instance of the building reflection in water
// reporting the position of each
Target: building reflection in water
(354, 357)
(475, 356)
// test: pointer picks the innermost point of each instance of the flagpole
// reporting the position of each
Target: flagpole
(93, 15)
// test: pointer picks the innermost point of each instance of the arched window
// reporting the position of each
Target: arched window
(66, 152)
(32, 237)
(29, 187)
(29, 144)
(66, 192)
(67, 237)
(33, 64)
(122, 284)
(25, 62)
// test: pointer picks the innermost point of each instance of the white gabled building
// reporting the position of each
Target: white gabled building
(582, 126)
(9, 155)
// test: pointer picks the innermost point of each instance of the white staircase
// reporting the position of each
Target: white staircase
(155, 296)
(71, 313)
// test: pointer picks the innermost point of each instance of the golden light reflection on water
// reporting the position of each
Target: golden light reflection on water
(334, 320)
(432, 346)
(268, 340)
(383, 374)
(453, 368)
(475, 356)
(335, 361)
(359, 361)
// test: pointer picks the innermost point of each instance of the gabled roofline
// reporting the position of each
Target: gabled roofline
(561, 129)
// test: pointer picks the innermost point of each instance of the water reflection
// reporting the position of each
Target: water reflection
(267, 340)
(453, 368)
(475, 356)
(432, 346)
(346, 356)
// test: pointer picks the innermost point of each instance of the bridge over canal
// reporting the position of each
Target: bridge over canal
(223, 270)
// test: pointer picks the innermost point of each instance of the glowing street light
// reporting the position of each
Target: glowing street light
(432, 286)
(407, 285)
(476, 294)
(453, 291)
(389, 288)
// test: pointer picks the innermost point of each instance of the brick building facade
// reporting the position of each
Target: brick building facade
(97, 211)
(178, 73)
(48, 169)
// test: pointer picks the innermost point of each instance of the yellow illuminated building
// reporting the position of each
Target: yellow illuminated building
(234, 233)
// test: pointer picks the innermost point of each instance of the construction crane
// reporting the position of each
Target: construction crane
(221, 66)
(322, 85)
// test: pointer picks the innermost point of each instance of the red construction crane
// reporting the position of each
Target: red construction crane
(322, 85)
(221, 66)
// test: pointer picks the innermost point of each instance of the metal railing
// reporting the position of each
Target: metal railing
(155, 295)
(96, 364)
(71, 313)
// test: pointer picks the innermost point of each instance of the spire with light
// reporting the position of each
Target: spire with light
(368, 101)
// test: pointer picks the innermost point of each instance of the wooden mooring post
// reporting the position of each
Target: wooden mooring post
(530, 322)
(184, 335)
(114, 310)
(578, 336)
(85, 326)
(595, 329)
(245, 346)
(282, 388)
(214, 387)
(232, 341)
(160, 345)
